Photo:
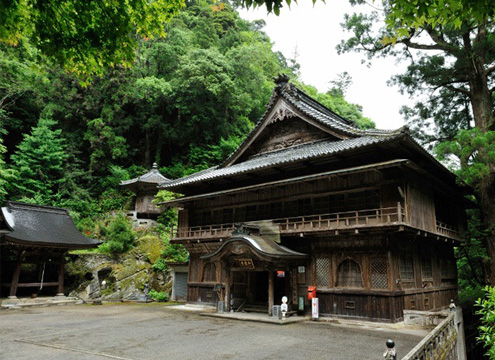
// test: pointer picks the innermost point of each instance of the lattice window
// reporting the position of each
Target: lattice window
(379, 279)
(426, 271)
(406, 267)
(349, 274)
(209, 274)
(322, 272)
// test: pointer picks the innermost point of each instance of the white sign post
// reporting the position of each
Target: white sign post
(314, 308)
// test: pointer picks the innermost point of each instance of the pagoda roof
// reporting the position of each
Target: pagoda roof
(45, 226)
(152, 177)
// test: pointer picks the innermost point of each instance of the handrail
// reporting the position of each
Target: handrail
(446, 229)
(440, 343)
(338, 220)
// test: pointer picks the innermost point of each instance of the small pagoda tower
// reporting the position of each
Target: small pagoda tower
(145, 187)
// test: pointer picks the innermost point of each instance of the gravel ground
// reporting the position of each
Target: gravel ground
(154, 331)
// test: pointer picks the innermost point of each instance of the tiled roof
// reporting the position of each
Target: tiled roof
(43, 226)
(311, 108)
(151, 177)
(292, 154)
(318, 112)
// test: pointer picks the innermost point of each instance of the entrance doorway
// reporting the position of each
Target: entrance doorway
(250, 289)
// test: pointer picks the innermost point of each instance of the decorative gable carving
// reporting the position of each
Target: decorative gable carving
(282, 112)
(283, 134)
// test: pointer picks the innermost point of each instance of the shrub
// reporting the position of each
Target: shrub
(487, 312)
(118, 235)
(158, 295)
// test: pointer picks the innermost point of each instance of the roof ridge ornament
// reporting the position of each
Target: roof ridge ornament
(282, 80)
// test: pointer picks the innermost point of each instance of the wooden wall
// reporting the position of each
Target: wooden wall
(421, 207)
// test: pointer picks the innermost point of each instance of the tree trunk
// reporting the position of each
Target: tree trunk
(486, 199)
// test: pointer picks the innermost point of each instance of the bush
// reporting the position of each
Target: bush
(158, 295)
(487, 312)
(118, 235)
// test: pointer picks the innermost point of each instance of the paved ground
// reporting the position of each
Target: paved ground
(153, 331)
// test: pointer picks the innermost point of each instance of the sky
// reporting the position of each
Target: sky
(315, 32)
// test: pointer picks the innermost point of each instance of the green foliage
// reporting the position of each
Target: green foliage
(160, 265)
(471, 259)
(85, 37)
(39, 162)
(175, 253)
(117, 235)
(476, 151)
(7, 175)
(158, 295)
(487, 329)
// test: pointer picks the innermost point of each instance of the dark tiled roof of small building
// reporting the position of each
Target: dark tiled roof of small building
(297, 153)
(152, 177)
(35, 225)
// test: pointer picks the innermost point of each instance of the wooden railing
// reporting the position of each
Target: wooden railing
(204, 232)
(311, 223)
(342, 220)
(447, 230)
(441, 343)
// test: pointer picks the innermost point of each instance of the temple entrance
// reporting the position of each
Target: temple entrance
(251, 289)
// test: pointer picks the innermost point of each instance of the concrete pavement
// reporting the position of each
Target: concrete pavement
(153, 331)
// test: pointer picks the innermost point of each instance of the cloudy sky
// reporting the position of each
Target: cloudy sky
(315, 31)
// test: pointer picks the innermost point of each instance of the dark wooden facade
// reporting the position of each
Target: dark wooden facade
(371, 218)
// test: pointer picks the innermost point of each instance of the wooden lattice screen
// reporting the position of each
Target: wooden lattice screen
(406, 267)
(379, 278)
(323, 272)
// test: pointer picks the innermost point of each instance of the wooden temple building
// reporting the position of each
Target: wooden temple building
(368, 217)
(34, 240)
(145, 187)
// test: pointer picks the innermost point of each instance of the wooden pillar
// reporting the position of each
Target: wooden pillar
(61, 272)
(227, 289)
(270, 292)
(15, 277)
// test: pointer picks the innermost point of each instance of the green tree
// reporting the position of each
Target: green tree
(39, 162)
(85, 36)
(7, 176)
